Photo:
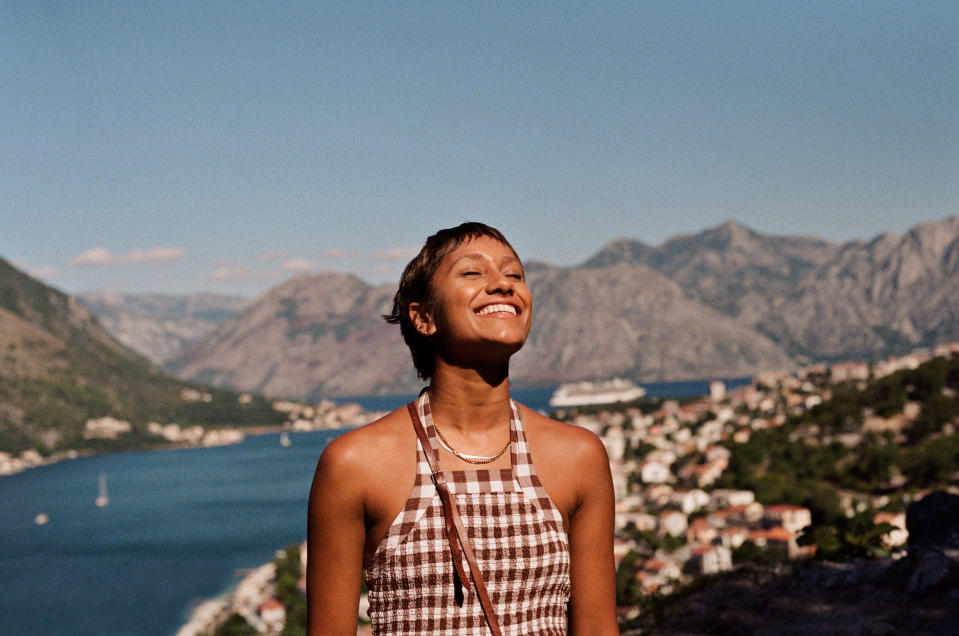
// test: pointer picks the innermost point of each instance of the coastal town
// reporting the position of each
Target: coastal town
(298, 417)
(666, 464)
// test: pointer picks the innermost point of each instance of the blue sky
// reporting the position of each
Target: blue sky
(223, 146)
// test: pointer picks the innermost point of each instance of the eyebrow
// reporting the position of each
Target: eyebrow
(476, 256)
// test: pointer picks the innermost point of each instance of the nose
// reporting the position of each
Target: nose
(499, 283)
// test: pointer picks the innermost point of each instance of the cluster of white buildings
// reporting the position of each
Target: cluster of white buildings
(30, 458)
(323, 415)
(668, 492)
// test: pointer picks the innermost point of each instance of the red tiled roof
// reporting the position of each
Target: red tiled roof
(784, 508)
(270, 603)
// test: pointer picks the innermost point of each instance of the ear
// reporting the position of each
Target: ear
(421, 319)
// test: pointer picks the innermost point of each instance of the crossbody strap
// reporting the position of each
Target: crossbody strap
(455, 532)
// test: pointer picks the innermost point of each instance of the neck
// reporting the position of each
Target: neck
(468, 399)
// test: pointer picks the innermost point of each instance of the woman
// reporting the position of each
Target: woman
(541, 535)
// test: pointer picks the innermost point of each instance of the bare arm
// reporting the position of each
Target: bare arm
(335, 538)
(592, 576)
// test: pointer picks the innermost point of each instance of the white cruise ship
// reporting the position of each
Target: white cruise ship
(603, 392)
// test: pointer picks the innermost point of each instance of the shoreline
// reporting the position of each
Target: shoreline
(35, 460)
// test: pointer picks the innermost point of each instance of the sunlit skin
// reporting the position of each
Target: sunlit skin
(364, 476)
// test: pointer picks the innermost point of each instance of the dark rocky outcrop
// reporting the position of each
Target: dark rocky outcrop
(932, 560)
(933, 520)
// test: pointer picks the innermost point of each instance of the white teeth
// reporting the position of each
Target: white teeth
(492, 309)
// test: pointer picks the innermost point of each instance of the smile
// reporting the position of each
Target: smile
(495, 309)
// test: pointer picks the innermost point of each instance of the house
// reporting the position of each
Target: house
(717, 452)
(689, 501)
(704, 474)
(846, 371)
(672, 522)
(640, 520)
(733, 536)
(615, 443)
(711, 559)
(272, 613)
(779, 536)
(662, 456)
(651, 472)
(663, 567)
(792, 518)
(899, 535)
(723, 497)
(746, 515)
(717, 390)
(700, 531)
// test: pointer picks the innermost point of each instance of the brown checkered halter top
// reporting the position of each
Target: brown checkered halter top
(516, 533)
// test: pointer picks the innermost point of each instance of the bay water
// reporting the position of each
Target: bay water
(180, 527)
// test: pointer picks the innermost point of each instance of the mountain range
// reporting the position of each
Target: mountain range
(727, 301)
(161, 325)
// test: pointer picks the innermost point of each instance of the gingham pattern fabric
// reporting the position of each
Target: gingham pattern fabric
(516, 534)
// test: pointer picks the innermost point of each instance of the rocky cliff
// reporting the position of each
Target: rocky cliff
(159, 326)
(314, 335)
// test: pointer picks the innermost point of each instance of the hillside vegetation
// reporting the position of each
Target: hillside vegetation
(837, 446)
(59, 368)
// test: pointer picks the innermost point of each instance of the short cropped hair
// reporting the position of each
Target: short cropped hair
(416, 287)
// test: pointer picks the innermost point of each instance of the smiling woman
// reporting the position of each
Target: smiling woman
(455, 534)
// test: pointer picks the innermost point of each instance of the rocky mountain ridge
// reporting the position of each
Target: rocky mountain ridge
(312, 336)
(723, 302)
(161, 325)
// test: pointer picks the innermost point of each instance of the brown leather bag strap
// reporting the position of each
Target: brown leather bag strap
(454, 526)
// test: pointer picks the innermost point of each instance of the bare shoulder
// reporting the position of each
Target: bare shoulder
(570, 460)
(353, 453)
(550, 437)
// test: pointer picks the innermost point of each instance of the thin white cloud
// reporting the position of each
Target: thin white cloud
(239, 273)
(98, 256)
(94, 256)
(401, 254)
(153, 255)
(299, 265)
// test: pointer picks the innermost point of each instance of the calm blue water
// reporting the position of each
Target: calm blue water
(179, 527)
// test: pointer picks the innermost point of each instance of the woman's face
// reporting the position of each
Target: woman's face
(483, 308)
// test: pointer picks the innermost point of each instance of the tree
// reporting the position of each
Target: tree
(235, 625)
(628, 590)
(849, 538)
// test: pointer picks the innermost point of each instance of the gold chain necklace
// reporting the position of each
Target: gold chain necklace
(470, 459)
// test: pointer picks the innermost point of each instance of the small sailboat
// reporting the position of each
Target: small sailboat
(284, 439)
(102, 497)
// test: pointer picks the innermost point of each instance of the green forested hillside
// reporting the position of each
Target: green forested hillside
(59, 367)
(826, 451)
